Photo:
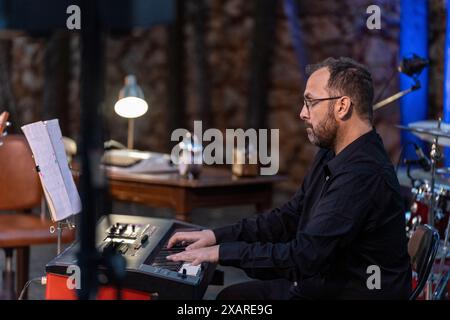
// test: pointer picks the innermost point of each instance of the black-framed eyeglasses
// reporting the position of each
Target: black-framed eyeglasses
(309, 103)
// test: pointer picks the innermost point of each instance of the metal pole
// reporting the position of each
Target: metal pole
(393, 98)
(59, 237)
(92, 180)
(435, 156)
(130, 141)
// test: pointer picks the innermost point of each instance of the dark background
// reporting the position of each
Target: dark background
(229, 63)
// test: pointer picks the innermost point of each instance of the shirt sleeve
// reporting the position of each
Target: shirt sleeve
(273, 226)
(277, 225)
(333, 223)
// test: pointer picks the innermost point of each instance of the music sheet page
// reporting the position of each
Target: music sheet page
(45, 140)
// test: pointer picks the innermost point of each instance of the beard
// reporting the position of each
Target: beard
(323, 135)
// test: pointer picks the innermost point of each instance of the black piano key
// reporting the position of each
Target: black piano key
(164, 260)
(167, 253)
(173, 266)
(165, 264)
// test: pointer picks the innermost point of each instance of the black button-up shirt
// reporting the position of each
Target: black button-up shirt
(344, 223)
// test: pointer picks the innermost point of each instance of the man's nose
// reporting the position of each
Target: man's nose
(304, 113)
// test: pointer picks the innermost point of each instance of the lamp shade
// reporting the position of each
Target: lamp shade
(131, 103)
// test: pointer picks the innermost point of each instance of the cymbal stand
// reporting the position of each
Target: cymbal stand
(435, 156)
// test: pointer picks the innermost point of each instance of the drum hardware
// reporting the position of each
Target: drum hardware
(428, 130)
(442, 285)
(419, 209)
(445, 249)
(431, 132)
(430, 200)
(435, 156)
(415, 182)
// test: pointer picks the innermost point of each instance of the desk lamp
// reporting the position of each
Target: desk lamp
(131, 105)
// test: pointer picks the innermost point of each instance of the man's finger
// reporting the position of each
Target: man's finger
(195, 245)
(196, 262)
(177, 237)
(174, 257)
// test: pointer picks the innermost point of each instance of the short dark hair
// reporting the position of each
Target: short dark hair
(350, 78)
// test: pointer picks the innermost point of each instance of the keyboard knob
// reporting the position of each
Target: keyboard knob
(144, 239)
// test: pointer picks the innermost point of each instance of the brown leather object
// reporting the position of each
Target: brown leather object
(3, 121)
(418, 246)
(20, 187)
(21, 230)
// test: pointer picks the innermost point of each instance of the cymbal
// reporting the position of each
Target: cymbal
(442, 178)
(443, 171)
(428, 130)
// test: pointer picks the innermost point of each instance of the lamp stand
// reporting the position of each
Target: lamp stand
(130, 133)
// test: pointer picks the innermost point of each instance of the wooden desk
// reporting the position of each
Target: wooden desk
(214, 188)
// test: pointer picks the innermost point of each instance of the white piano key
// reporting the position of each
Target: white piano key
(190, 269)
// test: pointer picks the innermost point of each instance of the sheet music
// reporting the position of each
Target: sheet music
(45, 140)
(56, 138)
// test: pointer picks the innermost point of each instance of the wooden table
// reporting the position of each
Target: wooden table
(214, 188)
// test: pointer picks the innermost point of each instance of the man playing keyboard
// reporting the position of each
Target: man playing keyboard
(342, 235)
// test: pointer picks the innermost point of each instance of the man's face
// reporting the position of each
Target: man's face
(321, 124)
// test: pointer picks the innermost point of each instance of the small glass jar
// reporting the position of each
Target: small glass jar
(191, 157)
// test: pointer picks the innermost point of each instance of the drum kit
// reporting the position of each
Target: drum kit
(430, 189)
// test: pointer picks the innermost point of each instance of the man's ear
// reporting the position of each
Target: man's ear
(344, 108)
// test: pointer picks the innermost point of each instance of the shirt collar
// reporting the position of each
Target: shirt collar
(335, 162)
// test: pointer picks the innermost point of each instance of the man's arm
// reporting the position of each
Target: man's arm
(334, 223)
(274, 226)
(277, 225)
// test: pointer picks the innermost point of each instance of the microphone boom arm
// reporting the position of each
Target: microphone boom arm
(397, 96)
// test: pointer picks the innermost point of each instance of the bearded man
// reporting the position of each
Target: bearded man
(342, 235)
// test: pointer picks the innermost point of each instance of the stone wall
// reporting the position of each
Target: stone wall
(436, 40)
(330, 28)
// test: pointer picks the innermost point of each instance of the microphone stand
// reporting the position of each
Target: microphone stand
(397, 96)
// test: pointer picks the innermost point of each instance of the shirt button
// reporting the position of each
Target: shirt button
(327, 178)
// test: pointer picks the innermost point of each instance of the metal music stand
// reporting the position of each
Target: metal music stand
(61, 225)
